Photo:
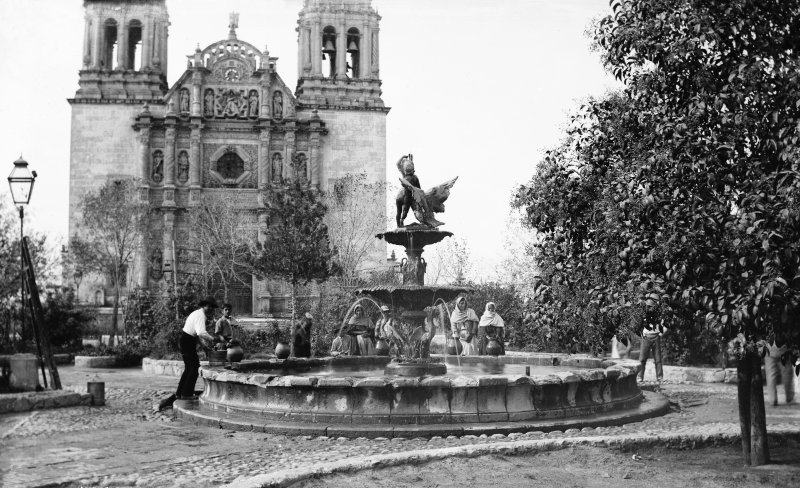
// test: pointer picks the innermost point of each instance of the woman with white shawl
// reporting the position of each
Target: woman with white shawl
(491, 326)
(360, 328)
(464, 325)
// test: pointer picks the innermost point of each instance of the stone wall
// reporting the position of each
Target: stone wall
(356, 143)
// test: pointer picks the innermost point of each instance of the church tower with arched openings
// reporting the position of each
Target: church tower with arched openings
(339, 79)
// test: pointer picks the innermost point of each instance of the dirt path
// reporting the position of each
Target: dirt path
(586, 467)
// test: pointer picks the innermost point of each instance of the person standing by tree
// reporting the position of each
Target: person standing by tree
(652, 330)
(778, 365)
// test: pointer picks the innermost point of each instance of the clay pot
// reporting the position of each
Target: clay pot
(381, 347)
(494, 348)
(235, 354)
(282, 350)
(454, 346)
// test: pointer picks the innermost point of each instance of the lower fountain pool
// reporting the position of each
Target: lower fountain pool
(353, 397)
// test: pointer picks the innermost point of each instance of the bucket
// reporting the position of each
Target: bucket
(97, 389)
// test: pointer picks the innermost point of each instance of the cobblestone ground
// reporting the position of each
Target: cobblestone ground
(125, 444)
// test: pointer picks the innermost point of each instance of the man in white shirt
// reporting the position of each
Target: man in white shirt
(194, 328)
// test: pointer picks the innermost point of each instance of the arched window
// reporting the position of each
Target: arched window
(230, 166)
(353, 59)
(328, 51)
(134, 58)
(109, 59)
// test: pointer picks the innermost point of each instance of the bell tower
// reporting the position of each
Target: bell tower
(338, 57)
(124, 50)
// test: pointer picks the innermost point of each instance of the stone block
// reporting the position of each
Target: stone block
(436, 401)
(492, 400)
(519, 398)
(372, 401)
(24, 372)
(406, 402)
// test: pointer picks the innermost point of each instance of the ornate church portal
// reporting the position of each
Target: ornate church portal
(229, 127)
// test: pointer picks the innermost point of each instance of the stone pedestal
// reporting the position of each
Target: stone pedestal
(24, 372)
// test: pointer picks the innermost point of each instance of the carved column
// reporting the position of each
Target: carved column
(195, 166)
(375, 54)
(305, 52)
(87, 48)
(157, 45)
(169, 236)
(314, 158)
(142, 266)
(341, 51)
(147, 44)
(364, 57)
(195, 103)
(288, 162)
(97, 56)
(144, 155)
(316, 50)
(163, 46)
(264, 162)
(169, 160)
(122, 46)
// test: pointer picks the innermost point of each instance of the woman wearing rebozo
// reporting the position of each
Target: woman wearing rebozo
(360, 330)
(491, 327)
(464, 325)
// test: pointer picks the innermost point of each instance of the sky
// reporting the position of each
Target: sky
(478, 89)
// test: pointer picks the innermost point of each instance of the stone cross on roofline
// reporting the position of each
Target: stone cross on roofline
(233, 24)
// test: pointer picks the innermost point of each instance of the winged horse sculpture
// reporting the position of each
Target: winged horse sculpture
(424, 203)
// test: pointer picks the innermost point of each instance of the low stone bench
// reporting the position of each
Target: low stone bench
(95, 361)
(24, 402)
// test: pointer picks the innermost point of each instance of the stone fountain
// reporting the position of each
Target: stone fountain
(374, 396)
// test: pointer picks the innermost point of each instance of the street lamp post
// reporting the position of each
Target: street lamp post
(21, 182)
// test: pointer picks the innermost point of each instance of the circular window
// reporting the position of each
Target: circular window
(230, 166)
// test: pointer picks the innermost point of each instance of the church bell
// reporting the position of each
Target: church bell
(328, 48)
(352, 46)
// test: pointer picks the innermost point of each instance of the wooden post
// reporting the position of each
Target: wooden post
(37, 316)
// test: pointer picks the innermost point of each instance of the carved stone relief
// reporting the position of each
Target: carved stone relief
(183, 167)
(232, 104)
(277, 105)
(208, 103)
(184, 101)
(277, 168)
(157, 171)
(300, 164)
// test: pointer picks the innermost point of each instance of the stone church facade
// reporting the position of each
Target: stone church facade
(229, 126)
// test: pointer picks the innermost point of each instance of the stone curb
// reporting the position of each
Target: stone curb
(654, 405)
(24, 402)
(285, 478)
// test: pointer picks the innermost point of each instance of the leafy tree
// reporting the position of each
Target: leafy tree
(355, 215)
(684, 188)
(111, 230)
(450, 262)
(226, 236)
(296, 247)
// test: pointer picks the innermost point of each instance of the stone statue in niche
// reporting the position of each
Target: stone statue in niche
(184, 105)
(208, 107)
(183, 167)
(157, 173)
(277, 168)
(277, 105)
(300, 162)
(253, 101)
(156, 263)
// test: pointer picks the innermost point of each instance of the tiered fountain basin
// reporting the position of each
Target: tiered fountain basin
(352, 397)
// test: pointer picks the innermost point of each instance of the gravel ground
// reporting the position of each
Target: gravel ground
(125, 444)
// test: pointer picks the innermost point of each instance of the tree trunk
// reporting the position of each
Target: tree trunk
(114, 316)
(744, 376)
(759, 449)
(752, 417)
